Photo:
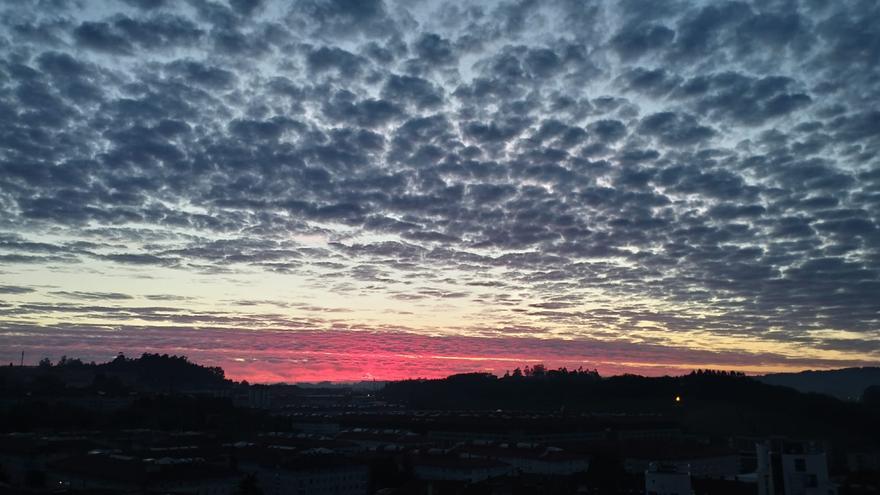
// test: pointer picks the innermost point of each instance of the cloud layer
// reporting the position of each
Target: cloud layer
(683, 175)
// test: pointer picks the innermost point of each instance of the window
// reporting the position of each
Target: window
(800, 465)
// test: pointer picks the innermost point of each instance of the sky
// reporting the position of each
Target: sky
(366, 189)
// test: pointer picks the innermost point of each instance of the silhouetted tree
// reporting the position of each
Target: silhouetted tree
(539, 371)
(166, 372)
(65, 361)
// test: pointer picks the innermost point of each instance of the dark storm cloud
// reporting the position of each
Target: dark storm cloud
(719, 156)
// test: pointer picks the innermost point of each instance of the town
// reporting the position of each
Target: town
(161, 424)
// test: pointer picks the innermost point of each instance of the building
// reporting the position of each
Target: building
(863, 461)
(451, 468)
(528, 458)
(806, 473)
(765, 470)
(384, 439)
(115, 472)
(665, 479)
(314, 475)
(792, 469)
(701, 460)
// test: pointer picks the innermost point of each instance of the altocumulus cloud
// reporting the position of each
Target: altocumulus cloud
(619, 174)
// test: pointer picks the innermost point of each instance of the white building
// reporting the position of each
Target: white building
(799, 469)
(806, 474)
(764, 472)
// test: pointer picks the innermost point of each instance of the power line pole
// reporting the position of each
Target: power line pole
(22, 359)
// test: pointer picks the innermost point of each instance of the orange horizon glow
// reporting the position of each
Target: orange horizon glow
(351, 356)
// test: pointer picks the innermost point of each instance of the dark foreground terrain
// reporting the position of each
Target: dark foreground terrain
(161, 424)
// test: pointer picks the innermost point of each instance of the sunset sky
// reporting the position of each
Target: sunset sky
(358, 189)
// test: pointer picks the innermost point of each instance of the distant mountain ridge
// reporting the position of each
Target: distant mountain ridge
(845, 383)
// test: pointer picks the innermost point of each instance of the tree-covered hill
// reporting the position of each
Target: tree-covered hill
(702, 401)
(149, 372)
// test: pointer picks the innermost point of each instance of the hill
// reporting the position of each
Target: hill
(846, 383)
(703, 402)
(149, 372)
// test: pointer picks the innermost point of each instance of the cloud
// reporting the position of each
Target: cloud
(159, 31)
(675, 129)
(146, 4)
(101, 37)
(633, 41)
(100, 296)
(343, 17)
(558, 166)
(745, 99)
(352, 355)
(14, 289)
(414, 90)
(433, 49)
(204, 75)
